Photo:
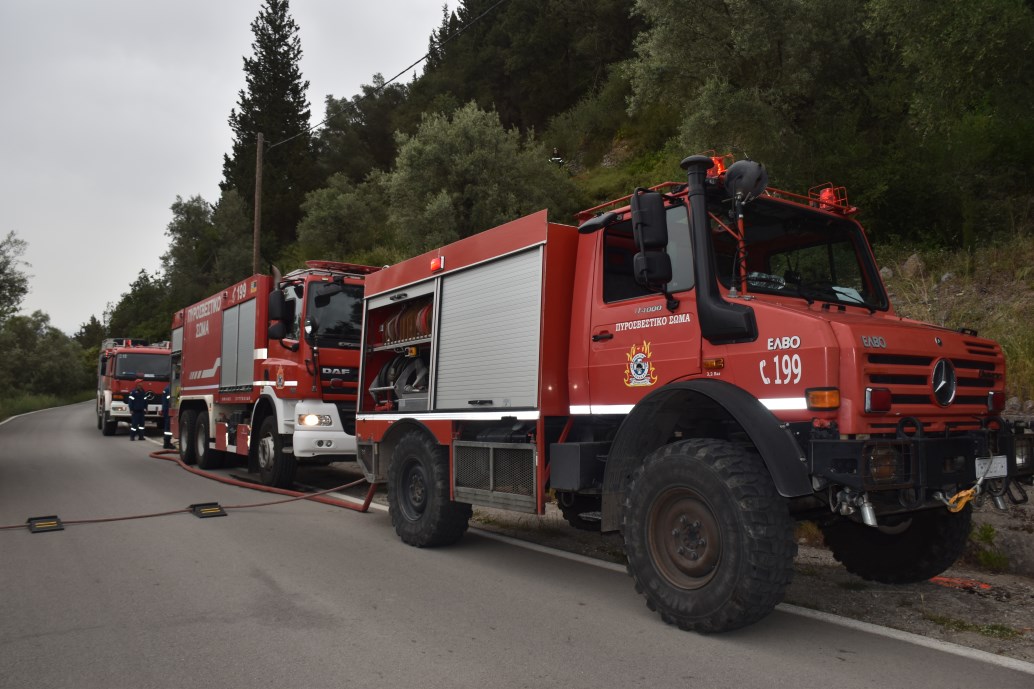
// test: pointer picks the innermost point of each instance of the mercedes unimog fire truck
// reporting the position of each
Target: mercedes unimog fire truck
(121, 362)
(275, 394)
(696, 366)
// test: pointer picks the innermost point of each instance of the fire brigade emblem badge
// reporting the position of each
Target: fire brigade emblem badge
(640, 371)
(279, 377)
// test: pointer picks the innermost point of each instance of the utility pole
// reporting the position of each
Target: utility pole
(258, 205)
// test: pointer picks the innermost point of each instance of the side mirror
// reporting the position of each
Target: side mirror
(649, 220)
(277, 306)
(652, 269)
(652, 265)
(597, 223)
(310, 329)
(277, 331)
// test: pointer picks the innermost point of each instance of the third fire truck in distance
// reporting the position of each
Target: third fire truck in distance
(121, 362)
(696, 366)
(273, 395)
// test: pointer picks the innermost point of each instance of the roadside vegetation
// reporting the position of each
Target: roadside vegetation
(25, 403)
(41, 366)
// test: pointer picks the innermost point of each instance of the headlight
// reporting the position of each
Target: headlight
(315, 420)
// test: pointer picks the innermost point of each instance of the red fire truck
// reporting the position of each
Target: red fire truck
(696, 366)
(291, 385)
(123, 361)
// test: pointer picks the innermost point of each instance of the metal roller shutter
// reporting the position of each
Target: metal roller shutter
(489, 346)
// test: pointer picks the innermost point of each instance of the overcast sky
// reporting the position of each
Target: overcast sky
(112, 108)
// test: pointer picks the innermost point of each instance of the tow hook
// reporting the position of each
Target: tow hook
(847, 501)
(958, 501)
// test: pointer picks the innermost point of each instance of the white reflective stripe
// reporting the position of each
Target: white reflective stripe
(199, 387)
(209, 372)
(454, 416)
(602, 409)
(773, 404)
(272, 383)
(784, 403)
(261, 354)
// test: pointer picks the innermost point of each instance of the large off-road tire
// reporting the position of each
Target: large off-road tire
(208, 457)
(276, 467)
(418, 494)
(709, 541)
(581, 511)
(100, 419)
(188, 452)
(914, 550)
(110, 425)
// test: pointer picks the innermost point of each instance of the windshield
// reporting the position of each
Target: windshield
(339, 314)
(793, 252)
(131, 366)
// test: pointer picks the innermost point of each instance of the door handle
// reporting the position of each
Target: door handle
(599, 337)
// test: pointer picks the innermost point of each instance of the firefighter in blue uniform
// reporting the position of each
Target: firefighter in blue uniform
(137, 409)
(166, 401)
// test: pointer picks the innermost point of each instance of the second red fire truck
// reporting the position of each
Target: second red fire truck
(275, 395)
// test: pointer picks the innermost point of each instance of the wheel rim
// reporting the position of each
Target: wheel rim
(413, 489)
(266, 452)
(685, 541)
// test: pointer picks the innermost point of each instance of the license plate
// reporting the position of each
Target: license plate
(992, 467)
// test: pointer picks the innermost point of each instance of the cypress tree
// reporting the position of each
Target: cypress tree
(275, 104)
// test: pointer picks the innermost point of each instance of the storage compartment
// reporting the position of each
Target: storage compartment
(577, 466)
(399, 352)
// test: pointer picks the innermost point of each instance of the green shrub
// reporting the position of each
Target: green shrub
(25, 403)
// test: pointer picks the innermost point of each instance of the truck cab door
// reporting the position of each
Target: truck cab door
(636, 343)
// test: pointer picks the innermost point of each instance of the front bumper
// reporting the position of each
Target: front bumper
(320, 443)
(922, 462)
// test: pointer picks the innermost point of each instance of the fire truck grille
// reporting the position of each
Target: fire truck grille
(910, 380)
(499, 474)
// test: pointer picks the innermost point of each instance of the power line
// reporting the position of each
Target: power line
(380, 88)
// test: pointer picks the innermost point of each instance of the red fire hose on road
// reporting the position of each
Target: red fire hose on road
(321, 496)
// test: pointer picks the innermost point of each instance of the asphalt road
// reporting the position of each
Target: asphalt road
(308, 595)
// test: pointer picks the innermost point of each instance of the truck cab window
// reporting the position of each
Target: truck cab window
(339, 315)
(131, 366)
(619, 251)
(794, 253)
